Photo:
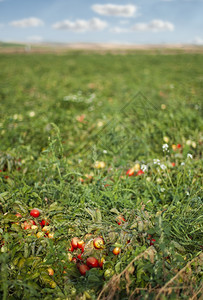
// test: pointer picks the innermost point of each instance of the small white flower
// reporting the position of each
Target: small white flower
(182, 164)
(156, 161)
(194, 145)
(187, 193)
(159, 180)
(162, 166)
(165, 147)
(144, 168)
(105, 151)
(189, 155)
(162, 190)
(31, 114)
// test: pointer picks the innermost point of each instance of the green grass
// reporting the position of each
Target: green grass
(61, 115)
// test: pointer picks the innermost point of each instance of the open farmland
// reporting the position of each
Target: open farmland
(103, 146)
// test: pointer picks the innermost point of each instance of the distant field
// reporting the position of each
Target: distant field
(98, 48)
(102, 146)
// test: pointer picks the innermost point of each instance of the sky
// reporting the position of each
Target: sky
(101, 21)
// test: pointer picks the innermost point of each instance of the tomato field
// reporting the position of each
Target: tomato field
(100, 175)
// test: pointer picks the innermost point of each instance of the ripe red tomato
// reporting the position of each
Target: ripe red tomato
(116, 250)
(140, 172)
(27, 224)
(80, 256)
(130, 172)
(83, 248)
(18, 215)
(152, 241)
(32, 222)
(74, 242)
(173, 164)
(179, 146)
(92, 262)
(74, 259)
(98, 243)
(83, 269)
(44, 223)
(80, 244)
(35, 213)
(71, 248)
(120, 220)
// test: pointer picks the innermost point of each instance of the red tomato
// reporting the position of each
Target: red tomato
(98, 243)
(44, 223)
(83, 269)
(152, 241)
(74, 259)
(116, 250)
(179, 146)
(130, 172)
(80, 244)
(92, 262)
(27, 224)
(18, 215)
(83, 248)
(120, 220)
(74, 242)
(140, 172)
(101, 262)
(32, 222)
(71, 248)
(173, 164)
(79, 256)
(35, 213)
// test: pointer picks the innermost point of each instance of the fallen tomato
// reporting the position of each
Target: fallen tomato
(92, 262)
(83, 269)
(44, 223)
(140, 172)
(71, 248)
(80, 244)
(27, 224)
(51, 235)
(50, 271)
(101, 262)
(152, 241)
(74, 242)
(98, 243)
(116, 251)
(80, 256)
(40, 234)
(130, 172)
(120, 220)
(35, 213)
(18, 215)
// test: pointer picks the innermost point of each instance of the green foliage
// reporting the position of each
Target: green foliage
(68, 134)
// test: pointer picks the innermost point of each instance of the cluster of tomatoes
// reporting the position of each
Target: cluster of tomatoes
(31, 224)
(98, 243)
(91, 262)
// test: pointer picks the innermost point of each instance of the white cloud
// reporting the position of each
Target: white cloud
(114, 10)
(198, 41)
(120, 30)
(81, 25)
(154, 25)
(35, 38)
(124, 22)
(29, 22)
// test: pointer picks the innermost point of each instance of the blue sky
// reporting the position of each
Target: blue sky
(101, 21)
